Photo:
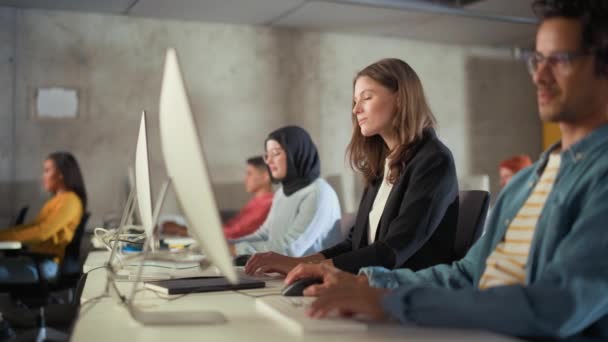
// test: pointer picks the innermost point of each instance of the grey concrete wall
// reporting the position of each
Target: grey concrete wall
(117, 63)
(7, 74)
(243, 82)
(502, 115)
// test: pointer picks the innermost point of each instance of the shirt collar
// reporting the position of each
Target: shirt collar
(579, 150)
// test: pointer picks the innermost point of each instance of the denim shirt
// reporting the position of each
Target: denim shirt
(566, 290)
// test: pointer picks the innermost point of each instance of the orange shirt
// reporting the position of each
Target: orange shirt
(250, 218)
(53, 229)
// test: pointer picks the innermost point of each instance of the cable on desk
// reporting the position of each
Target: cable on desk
(168, 267)
(126, 241)
(168, 297)
(254, 296)
(86, 273)
(91, 300)
(108, 236)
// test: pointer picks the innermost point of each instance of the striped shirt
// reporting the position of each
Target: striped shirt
(507, 264)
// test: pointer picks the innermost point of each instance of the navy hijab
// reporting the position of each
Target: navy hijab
(303, 164)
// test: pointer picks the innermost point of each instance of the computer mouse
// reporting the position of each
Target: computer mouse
(241, 260)
(297, 287)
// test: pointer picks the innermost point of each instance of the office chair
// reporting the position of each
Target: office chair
(37, 293)
(227, 214)
(72, 261)
(36, 296)
(473, 208)
(20, 218)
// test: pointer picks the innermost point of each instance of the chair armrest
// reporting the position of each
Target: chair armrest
(36, 256)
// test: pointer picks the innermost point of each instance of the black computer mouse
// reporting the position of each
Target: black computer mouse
(241, 260)
(297, 287)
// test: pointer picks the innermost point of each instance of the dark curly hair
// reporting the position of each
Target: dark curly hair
(593, 15)
(72, 177)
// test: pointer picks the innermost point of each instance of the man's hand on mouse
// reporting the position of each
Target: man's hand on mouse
(333, 278)
(340, 291)
(358, 299)
(172, 228)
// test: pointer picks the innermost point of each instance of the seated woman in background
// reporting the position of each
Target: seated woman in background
(509, 167)
(409, 210)
(55, 225)
(305, 212)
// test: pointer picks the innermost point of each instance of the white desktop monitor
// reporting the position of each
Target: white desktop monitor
(134, 216)
(187, 169)
(142, 179)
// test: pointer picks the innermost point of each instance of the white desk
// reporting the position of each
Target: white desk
(104, 320)
(10, 245)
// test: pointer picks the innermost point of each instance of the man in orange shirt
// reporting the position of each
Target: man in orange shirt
(509, 167)
(252, 215)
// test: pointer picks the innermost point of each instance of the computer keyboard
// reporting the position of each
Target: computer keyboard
(240, 271)
(182, 259)
(290, 311)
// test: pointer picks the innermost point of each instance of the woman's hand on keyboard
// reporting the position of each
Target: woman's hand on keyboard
(270, 262)
(356, 299)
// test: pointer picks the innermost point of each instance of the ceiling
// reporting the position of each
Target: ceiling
(479, 22)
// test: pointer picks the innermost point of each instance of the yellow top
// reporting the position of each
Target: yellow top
(53, 229)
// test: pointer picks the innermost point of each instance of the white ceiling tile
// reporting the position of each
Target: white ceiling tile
(324, 16)
(461, 30)
(317, 15)
(252, 12)
(105, 6)
(519, 8)
(350, 18)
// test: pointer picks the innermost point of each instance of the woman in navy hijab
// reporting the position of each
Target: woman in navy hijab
(305, 213)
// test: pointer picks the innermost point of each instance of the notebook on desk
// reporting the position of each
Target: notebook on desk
(201, 284)
(177, 240)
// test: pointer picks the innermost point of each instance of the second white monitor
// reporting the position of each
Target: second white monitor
(186, 166)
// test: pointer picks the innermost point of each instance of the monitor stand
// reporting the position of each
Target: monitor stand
(156, 317)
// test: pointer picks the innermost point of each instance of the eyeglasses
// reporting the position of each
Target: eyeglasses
(272, 154)
(560, 62)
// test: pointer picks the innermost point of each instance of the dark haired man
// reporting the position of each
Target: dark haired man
(252, 215)
(541, 269)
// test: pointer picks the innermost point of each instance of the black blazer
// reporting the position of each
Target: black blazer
(418, 224)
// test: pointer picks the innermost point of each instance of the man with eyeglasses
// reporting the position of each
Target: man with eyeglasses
(541, 269)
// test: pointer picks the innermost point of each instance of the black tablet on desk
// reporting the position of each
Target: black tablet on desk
(201, 284)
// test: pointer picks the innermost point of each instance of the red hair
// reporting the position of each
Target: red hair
(516, 163)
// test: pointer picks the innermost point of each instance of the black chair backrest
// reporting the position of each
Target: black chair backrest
(21, 215)
(79, 289)
(471, 218)
(72, 251)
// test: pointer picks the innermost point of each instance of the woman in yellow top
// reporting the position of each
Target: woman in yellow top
(54, 228)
